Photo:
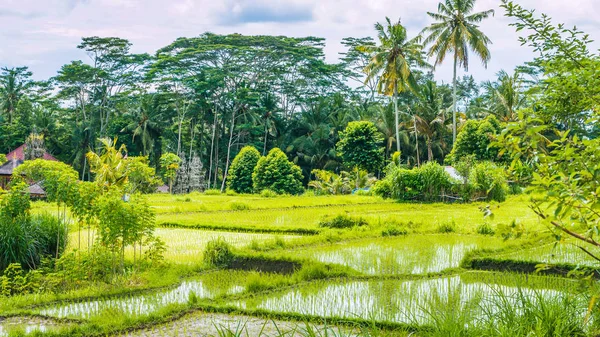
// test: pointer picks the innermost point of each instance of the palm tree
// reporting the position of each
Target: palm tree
(505, 96)
(456, 31)
(146, 123)
(430, 119)
(392, 60)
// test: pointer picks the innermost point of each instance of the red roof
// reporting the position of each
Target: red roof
(19, 154)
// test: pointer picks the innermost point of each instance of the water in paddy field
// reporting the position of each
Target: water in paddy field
(414, 254)
(400, 301)
(26, 325)
(142, 304)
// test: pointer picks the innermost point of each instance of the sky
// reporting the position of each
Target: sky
(43, 34)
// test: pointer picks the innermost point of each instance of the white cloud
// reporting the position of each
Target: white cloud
(44, 35)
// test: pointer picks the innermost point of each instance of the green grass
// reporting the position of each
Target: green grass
(196, 202)
(425, 218)
(185, 245)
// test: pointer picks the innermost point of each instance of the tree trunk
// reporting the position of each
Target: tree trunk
(429, 150)
(212, 147)
(416, 141)
(454, 100)
(395, 98)
(231, 129)
(266, 136)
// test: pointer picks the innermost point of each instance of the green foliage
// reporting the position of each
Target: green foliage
(169, 164)
(447, 227)
(239, 176)
(267, 193)
(476, 138)
(485, 229)
(394, 230)
(123, 223)
(427, 183)
(2, 159)
(277, 173)
(329, 183)
(141, 177)
(488, 182)
(361, 145)
(239, 206)
(218, 253)
(213, 191)
(15, 281)
(26, 239)
(342, 221)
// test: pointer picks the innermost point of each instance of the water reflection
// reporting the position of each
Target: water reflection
(211, 286)
(414, 254)
(407, 301)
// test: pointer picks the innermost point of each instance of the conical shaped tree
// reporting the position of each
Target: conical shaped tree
(239, 177)
(275, 172)
(456, 31)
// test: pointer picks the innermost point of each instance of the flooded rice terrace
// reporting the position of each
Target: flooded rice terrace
(415, 254)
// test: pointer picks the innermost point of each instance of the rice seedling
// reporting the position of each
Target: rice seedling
(187, 245)
(209, 286)
(413, 254)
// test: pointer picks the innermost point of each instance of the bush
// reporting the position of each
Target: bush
(447, 227)
(342, 221)
(239, 206)
(141, 177)
(24, 239)
(361, 145)
(239, 176)
(277, 173)
(394, 230)
(212, 191)
(489, 182)
(268, 194)
(52, 234)
(475, 139)
(218, 254)
(435, 180)
(485, 229)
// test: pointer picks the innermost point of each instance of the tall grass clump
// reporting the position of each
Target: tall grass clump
(218, 253)
(26, 239)
(342, 221)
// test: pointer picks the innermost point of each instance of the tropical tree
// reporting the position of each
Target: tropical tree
(392, 61)
(456, 31)
(506, 96)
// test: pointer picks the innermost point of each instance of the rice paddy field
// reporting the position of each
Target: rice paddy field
(408, 270)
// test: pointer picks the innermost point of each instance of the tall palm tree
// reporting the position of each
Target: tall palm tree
(145, 124)
(456, 31)
(392, 61)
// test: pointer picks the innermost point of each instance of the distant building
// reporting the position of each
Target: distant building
(16, 158)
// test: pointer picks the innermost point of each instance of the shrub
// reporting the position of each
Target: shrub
(447, 227)
(2, 159)
(25, 239)
(361, 145)
(394, 230)
(212, 191)
(141, 177)
(485, 229)
(239, 206)
(277, 173)
(268, 193)
(239, 176)
(435, 180)
(218, 253)
(475, 139)
(342, 221)
(489, 182)
(52, 234)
